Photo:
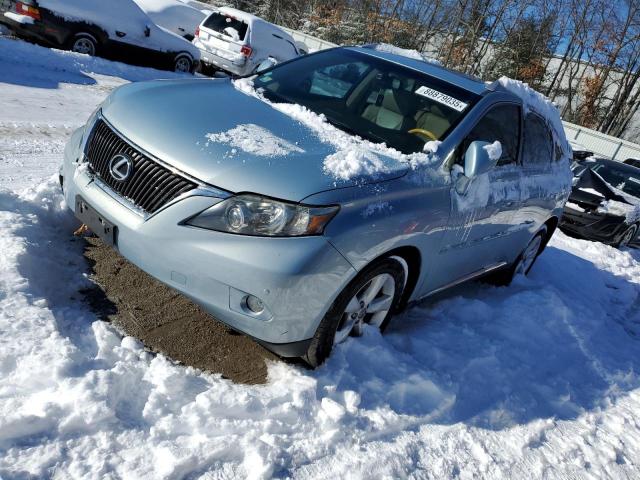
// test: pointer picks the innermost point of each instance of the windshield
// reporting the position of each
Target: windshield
(620, 176)
(370, 97)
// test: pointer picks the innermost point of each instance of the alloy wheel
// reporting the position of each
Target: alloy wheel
(84, 45)
(370, 305)
(183, 64)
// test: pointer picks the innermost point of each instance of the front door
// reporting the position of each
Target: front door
(483, 208)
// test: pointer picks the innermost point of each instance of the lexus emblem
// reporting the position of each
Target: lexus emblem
(121, 167)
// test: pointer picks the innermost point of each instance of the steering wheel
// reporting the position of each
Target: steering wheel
(422, 131)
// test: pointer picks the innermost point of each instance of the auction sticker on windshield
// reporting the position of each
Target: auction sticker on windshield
(441, 98)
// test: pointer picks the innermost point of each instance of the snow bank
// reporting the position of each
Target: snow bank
(501, 382)
(254, 139)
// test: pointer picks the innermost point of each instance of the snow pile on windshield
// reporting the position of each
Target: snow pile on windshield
(494, 150)
(533, 100)
(354, 156)
(352, 163)
(254, 139)
(404, 52)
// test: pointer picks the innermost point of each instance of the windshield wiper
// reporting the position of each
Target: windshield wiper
(346, 128)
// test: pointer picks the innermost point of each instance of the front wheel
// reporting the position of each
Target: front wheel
(369, 299)
(183, 64)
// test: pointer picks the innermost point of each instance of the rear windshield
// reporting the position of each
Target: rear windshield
(376, 99)
(226, 25)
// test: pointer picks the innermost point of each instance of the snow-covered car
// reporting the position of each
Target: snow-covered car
(238, 42)
(116, 29)
(174, 15)
(604, 204)
(355, 182)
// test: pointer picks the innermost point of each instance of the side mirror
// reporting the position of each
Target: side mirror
(266, 64)
(477, 160)
(147, 31)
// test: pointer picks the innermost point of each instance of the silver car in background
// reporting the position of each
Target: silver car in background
(274, 243)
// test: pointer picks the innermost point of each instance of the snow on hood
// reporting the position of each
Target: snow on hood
(354, 156)
(237, 142)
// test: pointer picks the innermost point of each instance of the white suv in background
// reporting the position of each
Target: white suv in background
(238, 42)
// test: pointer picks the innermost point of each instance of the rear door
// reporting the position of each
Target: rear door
(539, 196)
(483, 210)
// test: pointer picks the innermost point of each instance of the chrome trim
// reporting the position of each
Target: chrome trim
(466, 278)
(202, 189)
(219, 192)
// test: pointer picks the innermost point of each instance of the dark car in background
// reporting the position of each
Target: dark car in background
(604, 204)
(115, 29)
(634, 162)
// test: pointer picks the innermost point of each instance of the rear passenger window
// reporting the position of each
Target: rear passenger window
(538, 146)
(501, 123)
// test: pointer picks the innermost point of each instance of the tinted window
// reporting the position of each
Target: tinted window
(501, 123)
(376, 99)
(538, 147)
(226, 25)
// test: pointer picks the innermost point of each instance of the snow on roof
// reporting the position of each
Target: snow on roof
(403, 52)
(537, 102)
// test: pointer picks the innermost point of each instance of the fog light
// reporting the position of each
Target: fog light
(254, 304)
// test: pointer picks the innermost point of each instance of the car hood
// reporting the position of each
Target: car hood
(229, 139)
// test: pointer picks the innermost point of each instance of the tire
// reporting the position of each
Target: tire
(626, 237)
(389, 274)
(183, 64)
(84, 43)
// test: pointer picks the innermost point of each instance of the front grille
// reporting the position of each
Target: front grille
(150, 187)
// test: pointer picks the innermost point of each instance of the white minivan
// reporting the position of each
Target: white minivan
(238, 42)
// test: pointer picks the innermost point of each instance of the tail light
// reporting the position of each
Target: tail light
(197, 34)
(246, 50)
(27, 10)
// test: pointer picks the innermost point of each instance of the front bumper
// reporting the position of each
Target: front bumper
(297, 278)
(593, 226)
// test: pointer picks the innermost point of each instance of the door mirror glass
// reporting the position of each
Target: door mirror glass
(266, 64)
(477, 159)
(147, 31)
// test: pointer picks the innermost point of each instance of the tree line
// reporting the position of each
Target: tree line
(583, 54)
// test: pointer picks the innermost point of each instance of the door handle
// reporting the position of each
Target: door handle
(120, 34)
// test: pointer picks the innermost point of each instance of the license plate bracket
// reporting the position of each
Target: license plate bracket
(96, 222)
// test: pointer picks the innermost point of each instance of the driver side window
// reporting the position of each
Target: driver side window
(501, 123)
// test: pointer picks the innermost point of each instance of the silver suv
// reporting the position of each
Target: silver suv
(326, 195)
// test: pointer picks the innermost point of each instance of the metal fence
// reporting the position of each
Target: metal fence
(601, 144)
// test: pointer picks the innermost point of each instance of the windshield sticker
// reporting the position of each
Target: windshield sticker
(441, 98)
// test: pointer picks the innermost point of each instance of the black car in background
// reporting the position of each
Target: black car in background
(604, 204)
(634, 162)
(114, 29)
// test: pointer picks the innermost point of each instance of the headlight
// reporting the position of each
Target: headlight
(255, 215)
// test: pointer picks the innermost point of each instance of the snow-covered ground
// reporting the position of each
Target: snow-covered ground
(536, 380)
